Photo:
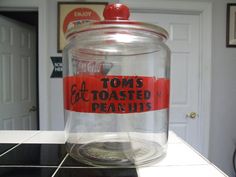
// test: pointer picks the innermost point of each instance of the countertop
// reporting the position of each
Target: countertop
(42, 153)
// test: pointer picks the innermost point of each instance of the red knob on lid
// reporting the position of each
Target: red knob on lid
(116, 12)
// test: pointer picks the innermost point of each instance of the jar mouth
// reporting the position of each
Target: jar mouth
(116, 42)
(117, 24)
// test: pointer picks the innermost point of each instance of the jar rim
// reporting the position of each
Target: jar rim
(117, 24)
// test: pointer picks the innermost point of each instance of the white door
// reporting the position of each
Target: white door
(184, 44)
(17, 76)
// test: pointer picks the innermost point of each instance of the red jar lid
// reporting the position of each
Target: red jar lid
(116, 12)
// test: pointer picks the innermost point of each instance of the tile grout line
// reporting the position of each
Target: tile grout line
(25, 139)
(26, 166)
(60, 165)
(9, 150)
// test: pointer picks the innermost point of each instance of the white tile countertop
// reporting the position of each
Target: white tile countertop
(181, 159)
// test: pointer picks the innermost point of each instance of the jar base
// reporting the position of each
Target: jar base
(137, 152)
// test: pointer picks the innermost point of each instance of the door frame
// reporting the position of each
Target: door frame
(10, 18)
(204, 10)
(43, 65)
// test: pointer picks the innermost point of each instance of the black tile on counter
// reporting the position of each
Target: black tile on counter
(26, 172)
(96, 172)
(35, 154)
(70, 162)
(5, 146)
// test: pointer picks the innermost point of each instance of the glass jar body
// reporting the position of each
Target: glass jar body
(116, 93)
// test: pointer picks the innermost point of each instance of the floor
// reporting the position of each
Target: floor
(49, 160)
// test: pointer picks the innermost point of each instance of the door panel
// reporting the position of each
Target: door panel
(17, 75)
(6, 65)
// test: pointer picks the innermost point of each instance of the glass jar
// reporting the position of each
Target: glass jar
(116, 91)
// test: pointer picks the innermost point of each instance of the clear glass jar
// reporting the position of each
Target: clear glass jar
(116, 93)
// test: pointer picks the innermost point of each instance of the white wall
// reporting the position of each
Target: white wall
(55, 85)
(223, 108)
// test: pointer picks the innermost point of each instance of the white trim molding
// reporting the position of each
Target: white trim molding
(44, 119)
(204, 10)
